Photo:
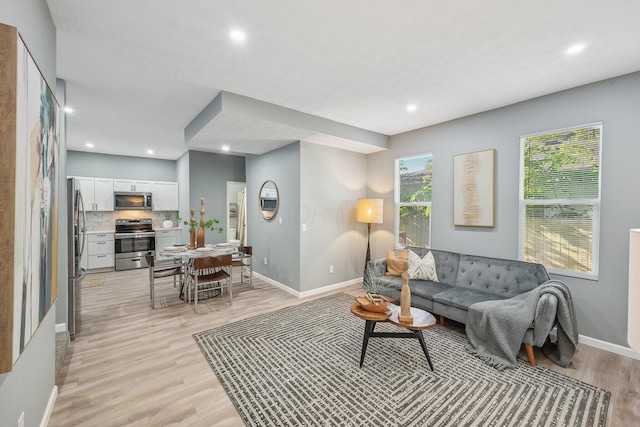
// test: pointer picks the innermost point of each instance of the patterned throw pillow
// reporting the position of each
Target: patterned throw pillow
(424, 269)
(395, 264)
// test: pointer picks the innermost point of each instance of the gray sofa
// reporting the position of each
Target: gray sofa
(467, 279)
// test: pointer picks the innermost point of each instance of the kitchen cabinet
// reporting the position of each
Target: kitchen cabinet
(165, 238)
(97, 193)
(165, 196)
(132, 186)
(100, 250)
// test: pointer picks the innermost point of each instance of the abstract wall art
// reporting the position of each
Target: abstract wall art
(474, 189)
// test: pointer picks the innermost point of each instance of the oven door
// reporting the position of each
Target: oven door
(131, 249)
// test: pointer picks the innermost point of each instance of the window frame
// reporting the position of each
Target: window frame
(597, 204)
(396, 199)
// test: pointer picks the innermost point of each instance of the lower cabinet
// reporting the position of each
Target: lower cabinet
(100, 250)
(166, 238)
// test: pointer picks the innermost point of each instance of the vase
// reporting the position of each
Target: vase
(200, 238)
(167, 224)
(192, 238)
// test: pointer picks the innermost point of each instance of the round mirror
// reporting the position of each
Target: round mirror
(269, 200)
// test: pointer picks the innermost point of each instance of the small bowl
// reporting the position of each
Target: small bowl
(366, 304)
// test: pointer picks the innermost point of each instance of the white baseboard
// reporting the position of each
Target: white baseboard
(613, 348)
(49, 409)
(61, 327)
(311, 292)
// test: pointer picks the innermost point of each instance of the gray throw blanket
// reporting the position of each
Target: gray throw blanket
(495, 329)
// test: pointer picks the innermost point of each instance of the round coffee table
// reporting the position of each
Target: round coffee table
(421, 320)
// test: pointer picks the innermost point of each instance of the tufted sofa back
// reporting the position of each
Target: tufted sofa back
(497, 276)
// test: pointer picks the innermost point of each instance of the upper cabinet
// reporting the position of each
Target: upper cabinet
(133, 186)
(165, 196)
(97, 193)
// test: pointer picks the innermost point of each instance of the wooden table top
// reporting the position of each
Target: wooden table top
(421, 319)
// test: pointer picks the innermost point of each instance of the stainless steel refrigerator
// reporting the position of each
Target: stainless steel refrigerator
(77, 238)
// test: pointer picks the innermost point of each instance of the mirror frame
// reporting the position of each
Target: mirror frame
(269, 214)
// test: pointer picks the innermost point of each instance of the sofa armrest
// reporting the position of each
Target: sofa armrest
(377, 267)
(545, 318)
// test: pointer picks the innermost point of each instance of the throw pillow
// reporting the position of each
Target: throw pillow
(423, 269)
(395, 264)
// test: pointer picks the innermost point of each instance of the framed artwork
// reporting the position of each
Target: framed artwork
(29, 153)
(474, 189)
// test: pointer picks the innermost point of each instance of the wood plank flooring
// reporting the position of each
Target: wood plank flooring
(131, 365)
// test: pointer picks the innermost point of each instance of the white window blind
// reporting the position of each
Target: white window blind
(560, 199)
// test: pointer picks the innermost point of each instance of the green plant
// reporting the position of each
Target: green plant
(211, 224)
(371, 284)
(168, 216)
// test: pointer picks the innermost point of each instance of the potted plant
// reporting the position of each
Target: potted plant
(168, 220)
(373, 300)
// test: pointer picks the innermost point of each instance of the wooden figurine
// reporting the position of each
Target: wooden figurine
(192, 231)
(200, 238)
(405, 297)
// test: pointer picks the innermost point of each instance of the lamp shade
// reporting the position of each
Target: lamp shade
(633, 323)
(369, 211)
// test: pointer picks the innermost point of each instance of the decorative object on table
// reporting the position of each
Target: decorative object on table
(374, 303)
(369, 211)
(393, 388)
(473, 189)
(196, 237)
(168, 220)
(405, 297)
(633, 322)
(30, 141)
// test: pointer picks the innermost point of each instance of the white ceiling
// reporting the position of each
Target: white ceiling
(138, 72)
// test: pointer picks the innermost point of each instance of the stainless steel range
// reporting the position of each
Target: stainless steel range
(134, 238)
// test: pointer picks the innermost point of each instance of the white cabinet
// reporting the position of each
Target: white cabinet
(100, 250)
(165, 196)
(131, 185)
(97, 193)
(165, 238)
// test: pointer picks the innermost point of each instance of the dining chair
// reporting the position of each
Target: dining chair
(210, 273)
(244, 261)
(162, 269)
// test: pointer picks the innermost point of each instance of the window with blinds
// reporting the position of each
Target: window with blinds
(560, 199)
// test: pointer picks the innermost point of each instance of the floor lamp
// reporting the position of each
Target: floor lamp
(633, 323)
(369, 211)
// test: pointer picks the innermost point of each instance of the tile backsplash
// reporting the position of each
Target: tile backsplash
(106, 221)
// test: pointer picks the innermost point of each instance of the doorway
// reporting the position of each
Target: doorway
(236, 212)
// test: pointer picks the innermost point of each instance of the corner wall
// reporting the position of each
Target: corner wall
(601, 305)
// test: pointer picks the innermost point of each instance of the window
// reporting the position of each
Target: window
(413, 201)
(560, 199)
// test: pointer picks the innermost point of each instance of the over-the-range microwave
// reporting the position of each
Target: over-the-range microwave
(132, 201)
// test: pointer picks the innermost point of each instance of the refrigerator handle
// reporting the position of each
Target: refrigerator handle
(83, 229)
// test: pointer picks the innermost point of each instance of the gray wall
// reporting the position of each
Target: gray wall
(208, 176)
(80, 163)
(601, 305)
(331, 181)
(28, 386)
(279, 243)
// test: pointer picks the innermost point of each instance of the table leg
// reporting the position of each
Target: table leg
(368, 330)
(418, 335)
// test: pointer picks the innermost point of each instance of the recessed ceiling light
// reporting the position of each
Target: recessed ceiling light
(225, 148)
(412, 107)
(68, 110)
(575, 49)
(89, 144)
(238, 35)
(149, 151)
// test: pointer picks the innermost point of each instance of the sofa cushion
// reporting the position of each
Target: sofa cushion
(503, 277)
(422, 268)
(464, 297)
(395, 264)
(427, 289)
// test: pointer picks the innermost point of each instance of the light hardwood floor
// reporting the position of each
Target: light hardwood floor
(131, 365)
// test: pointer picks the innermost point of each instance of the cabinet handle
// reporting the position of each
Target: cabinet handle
(101, 256)
(102, 243)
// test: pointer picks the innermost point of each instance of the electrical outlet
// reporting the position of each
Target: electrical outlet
(304, 227)
(21, 420)
(331, 269)
(265, 260)
(279, 220)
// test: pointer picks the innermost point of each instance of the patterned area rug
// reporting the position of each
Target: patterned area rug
(299, 367)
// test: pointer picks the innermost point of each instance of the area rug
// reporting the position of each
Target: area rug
(299, 367)
(92, 280)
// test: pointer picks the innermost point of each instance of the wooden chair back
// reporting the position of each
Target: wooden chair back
(212, 262)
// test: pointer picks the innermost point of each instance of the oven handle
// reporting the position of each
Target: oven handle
(134, 235)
